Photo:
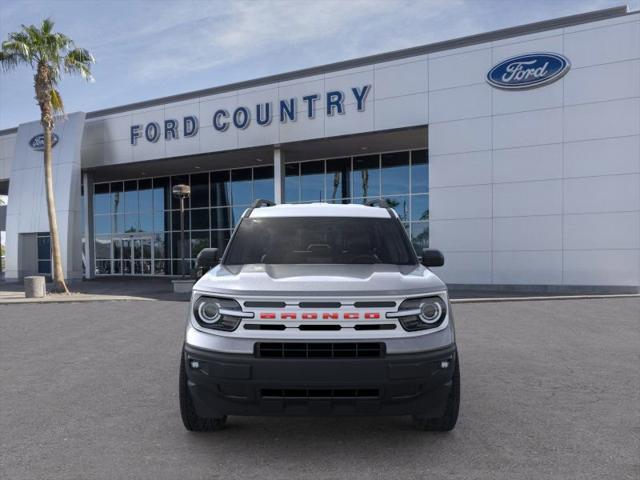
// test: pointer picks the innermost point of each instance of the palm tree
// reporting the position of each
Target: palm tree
(50, 55)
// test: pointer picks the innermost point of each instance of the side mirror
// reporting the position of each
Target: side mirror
(432, 257)
(206, 260)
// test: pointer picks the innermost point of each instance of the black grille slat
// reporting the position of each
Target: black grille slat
(339, 393)
(319, 304)
(256, 304)
(319, 350)
(374, 304)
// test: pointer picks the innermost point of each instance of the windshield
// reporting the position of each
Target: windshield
(326, 240)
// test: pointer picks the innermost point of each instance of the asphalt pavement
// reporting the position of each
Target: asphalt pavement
(550, 390)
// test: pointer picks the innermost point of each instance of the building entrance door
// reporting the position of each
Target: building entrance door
(134, 256)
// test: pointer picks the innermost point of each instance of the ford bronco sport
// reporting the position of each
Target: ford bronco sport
(319, 309)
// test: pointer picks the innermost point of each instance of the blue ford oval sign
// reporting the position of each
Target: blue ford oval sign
(528, 71)
(37, 142)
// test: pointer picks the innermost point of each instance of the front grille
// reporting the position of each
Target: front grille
(319, 350)
(320, 393)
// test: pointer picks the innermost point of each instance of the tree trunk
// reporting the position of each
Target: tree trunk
(59, 284)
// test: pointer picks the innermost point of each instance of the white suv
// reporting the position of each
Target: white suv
(319, 309)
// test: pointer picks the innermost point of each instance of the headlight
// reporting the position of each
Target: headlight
(421, 313)
(217, 313)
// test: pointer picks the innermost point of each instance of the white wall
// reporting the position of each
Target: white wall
(27, 206)
(398, 99)
(7, 151)
(539, 186)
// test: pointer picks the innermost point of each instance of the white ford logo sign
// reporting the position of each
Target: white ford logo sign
(528, 71)
(37, 142)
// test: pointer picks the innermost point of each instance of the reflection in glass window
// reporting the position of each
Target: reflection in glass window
(146, 222)
(161, 194)
(160, 243)
(131, 222)
(312, 181)
(419, 171)
(420, 236)
(220, 218)
(219, 239)
(103, 247)
(395, 173)
(366, 176)
(101, 198)
(401, 205)
(102, 224)
(419, 207)
(175, 220)
(160, 222)
(220, 189)
(199, 240)
(200, 190)
(236, 214)
(292, 183)
(145, 195)
(337, 179)
(117, 198)
(263, 183)
(241, 192)
(200, 219)
(131, 203)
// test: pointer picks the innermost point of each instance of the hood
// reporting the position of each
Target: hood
(319, 280)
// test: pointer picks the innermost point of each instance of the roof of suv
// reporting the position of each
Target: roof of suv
(320, 210)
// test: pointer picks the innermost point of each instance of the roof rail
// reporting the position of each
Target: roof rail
(262, 203)
(377, 202)
(257, 204)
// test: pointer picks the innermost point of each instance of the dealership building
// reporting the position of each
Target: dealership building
(515, 152)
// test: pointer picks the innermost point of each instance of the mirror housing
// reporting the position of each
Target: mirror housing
(206, 260)
(432, 257)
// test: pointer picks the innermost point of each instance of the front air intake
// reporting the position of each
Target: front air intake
(319, 350)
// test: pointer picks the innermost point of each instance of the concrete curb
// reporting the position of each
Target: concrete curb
(73, 299)
(119, 298)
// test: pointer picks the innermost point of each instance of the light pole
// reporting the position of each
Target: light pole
(182, 192)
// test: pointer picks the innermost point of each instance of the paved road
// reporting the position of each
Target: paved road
(550, 390)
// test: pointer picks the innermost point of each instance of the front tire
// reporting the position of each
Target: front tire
(448, 420)
(190, 418)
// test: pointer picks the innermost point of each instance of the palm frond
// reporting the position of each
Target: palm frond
(56, 101)
(79, 61)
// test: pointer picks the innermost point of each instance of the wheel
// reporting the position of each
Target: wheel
(446, 422)
(190, 418)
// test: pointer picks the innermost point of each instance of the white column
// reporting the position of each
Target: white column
(278, 175)
(89, 261)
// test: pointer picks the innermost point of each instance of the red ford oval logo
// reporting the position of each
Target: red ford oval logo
(528, 71)
(37, 142)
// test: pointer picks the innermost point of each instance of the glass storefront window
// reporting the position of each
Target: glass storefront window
(161, 194)
(200, 219)
(401, 205)
(199, 240)
(366, 176)
(395, 173)
(419, 171)
(200, 190)
(292, 182)
(241, 191)
(419, 207)
(144, 211)
(263, 183)
(220, 189)
(337, 179)
(101, 199)
(312, 181)
(145, 195)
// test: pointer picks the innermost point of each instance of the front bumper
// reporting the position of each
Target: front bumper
(241, 384)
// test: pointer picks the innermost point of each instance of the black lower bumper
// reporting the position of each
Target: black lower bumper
(231, 384)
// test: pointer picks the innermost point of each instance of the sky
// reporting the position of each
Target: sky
(150, 49)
